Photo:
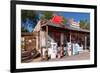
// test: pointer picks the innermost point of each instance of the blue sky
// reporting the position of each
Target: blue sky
(76, 15)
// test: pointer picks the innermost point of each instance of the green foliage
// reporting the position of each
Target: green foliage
(28, 14)
(88, 26)
(85, 24)
(24, 30)
(64, 20)
(82, 23)
(47, 15)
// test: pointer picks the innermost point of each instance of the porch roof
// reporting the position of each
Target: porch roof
(65, 27)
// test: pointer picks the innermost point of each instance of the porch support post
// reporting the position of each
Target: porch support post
(85, 42)
(62, 38)
(70, 36)
(46, 42)
(40, 44)
(37, 40)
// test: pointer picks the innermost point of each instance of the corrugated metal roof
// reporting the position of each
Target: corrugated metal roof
(66, 27)
(78, 29)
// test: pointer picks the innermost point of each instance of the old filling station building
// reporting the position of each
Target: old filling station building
(47, 31)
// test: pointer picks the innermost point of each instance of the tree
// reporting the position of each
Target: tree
(82, 23)
(85, 24)
(24, 30)
(88, 26)
(49, 15)
(64, 20)
(28, 14)
(29, 19)
(46, 15)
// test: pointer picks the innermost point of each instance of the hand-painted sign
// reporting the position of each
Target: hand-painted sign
(73, 23)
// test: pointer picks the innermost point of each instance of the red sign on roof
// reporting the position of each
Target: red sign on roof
(57, 19)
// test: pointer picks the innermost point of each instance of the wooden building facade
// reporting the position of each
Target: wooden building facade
(46, 31)
(62, 34)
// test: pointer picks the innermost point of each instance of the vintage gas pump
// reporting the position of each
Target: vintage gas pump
(53, 50)
(69, 49)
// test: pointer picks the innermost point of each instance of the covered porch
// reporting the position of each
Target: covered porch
(61, 35)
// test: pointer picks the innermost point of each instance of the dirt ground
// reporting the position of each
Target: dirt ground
(85, 55)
